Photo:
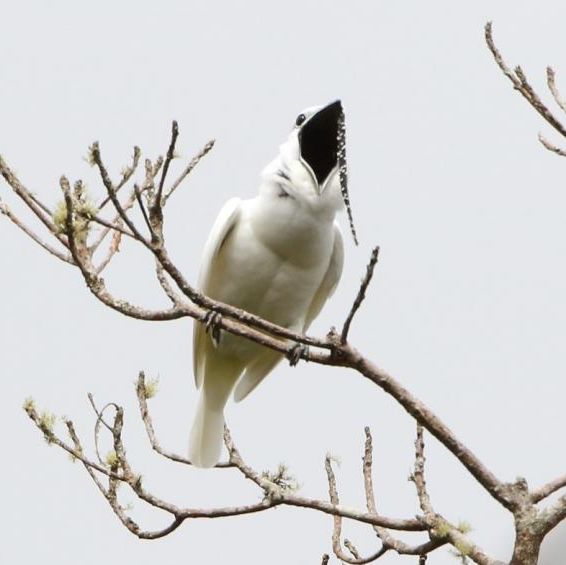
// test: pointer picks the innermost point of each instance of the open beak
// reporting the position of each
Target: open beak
(318, 142)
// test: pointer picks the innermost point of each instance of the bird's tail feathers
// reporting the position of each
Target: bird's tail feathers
(205, 443)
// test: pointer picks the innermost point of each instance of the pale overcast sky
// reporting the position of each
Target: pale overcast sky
(446, 174)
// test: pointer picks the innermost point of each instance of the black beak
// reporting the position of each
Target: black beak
(318, 141)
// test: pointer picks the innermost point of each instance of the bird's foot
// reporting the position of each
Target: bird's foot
(295, 353)
(212, 326)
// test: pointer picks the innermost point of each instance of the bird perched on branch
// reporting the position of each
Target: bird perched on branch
(279, 256)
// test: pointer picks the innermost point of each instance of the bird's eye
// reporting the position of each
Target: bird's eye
(300, 119)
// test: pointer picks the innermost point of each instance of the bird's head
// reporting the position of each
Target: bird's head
(311, 165)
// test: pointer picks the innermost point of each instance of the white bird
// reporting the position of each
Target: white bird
(279, 256)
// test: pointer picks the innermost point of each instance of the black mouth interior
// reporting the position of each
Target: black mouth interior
(318, 140)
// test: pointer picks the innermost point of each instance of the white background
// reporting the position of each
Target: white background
(467, 309)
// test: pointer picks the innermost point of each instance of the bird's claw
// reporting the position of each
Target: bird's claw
(212, 326)
(295, 353)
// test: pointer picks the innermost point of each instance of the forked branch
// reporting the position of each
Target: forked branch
(521, 84)
(275, 489)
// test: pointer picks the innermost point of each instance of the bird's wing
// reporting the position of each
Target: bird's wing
(330, 280)
(222, 227)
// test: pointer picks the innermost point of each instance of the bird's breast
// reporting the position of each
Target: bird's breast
(290, 230)
(273, 262)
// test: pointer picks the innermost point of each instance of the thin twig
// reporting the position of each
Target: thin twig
(192, 164)
(337, 529)
(521, 84)
(550, 146)
(114, 226)
(337, 521)
(548, 489)
(388, 541)
(42, 205)
(112, 250)
(419, 476)
(142, 208)
(53, 439)
(116, 221)
(552, 516)
(408, 525)
(100, 421)
(361, 294)
(440, 529)
(551, 81)
(111, 226)
(5, 210)
(157, 204)
(173, 296)
(110, 189)
(30, 200)
(352, 549)
(110, 495)
(126, 175)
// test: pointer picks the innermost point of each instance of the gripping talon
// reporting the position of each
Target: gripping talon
(297, 352)
(212, 326)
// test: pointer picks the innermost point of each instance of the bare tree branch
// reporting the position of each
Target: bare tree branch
(112, 250)
(361, 294)
(429, 420)
(388, 541)
(554, 515)
(548, 489)
(30, 201)
(117, 470)
(142, 208)
(192, 164)
(551, 81)
(112, 226)
(440, 528)
(126, 175)
(5, 210)
(112, 195)
(521, 84)
(336, 544)
(419, 477)
(157, 204)
(115, 221)
(550, 146)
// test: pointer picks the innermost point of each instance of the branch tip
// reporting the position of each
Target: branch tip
(361, 294)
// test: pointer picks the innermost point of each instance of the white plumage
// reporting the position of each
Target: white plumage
(278, 255)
